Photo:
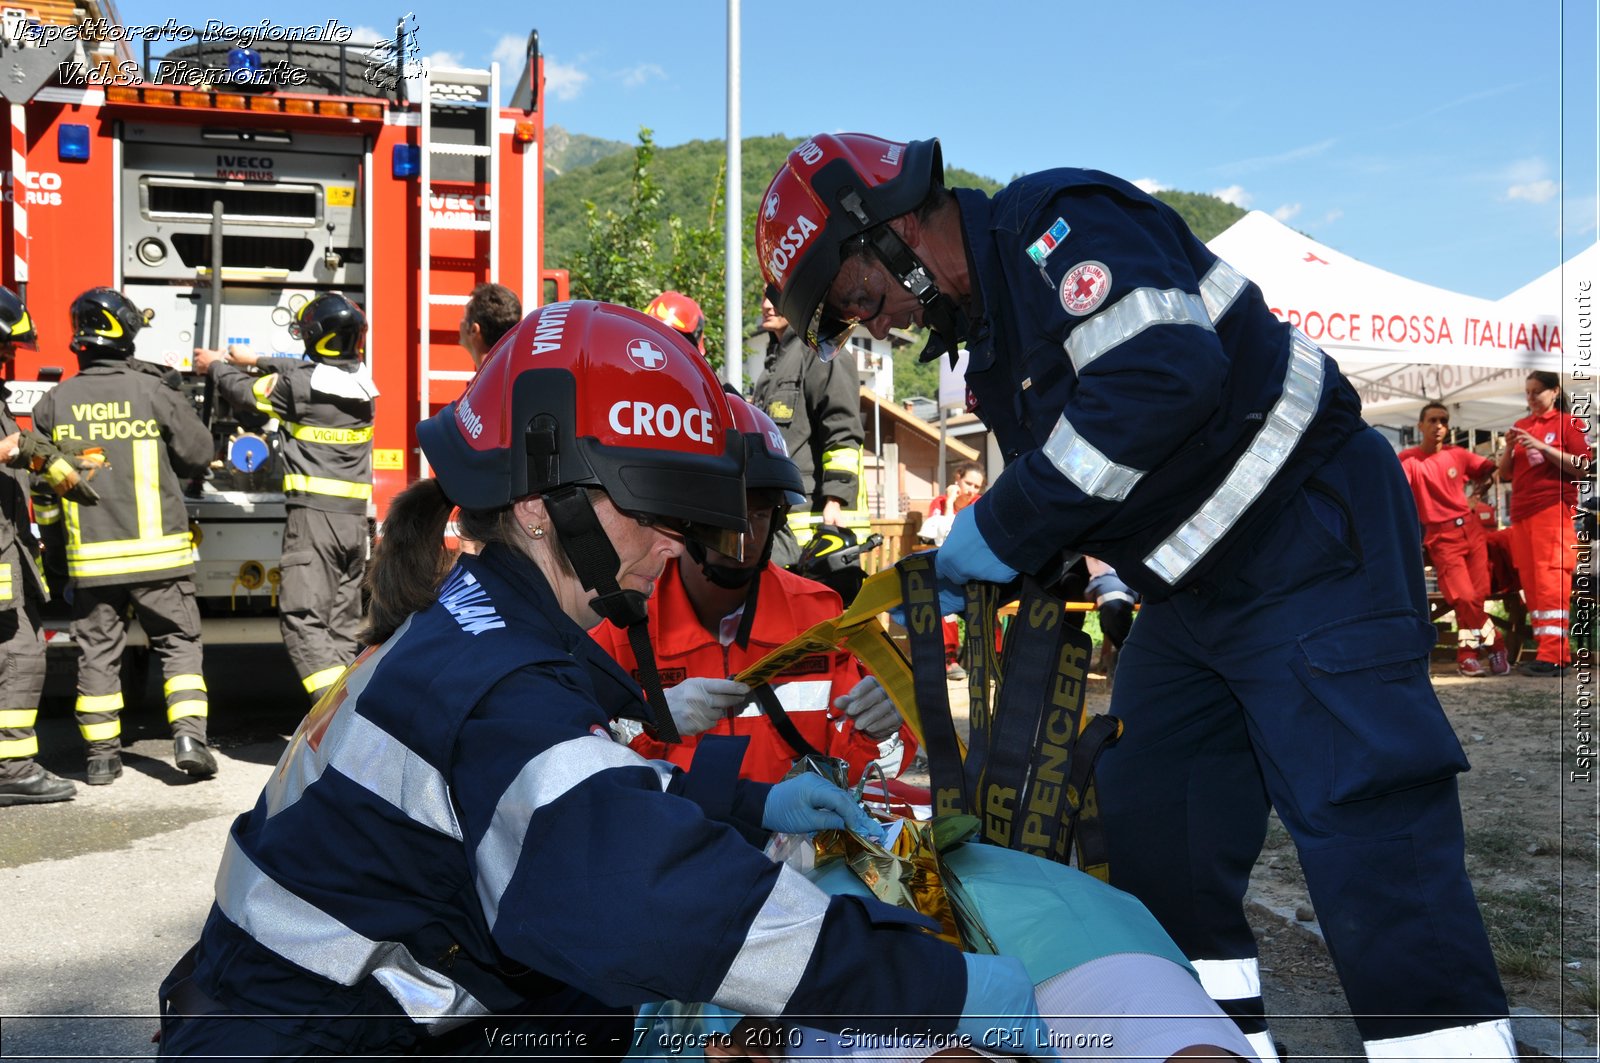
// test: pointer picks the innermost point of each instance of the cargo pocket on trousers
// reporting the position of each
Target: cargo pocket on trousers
(1387, 731)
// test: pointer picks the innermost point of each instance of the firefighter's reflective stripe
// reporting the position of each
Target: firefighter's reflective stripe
(1286, 423)
(15, 748)
(187, 681)
(542, 781)
(305, 935)
(46, 514)
(5, 582)
(842, 459)
(808, 696)
(1219, 288)
(317, 680)
(262, 390)
(100, 732)
(181, 707)
(311, 433)
(91, 703)
(323, 485)
(147, 486)
(152, 551)
(16, 719)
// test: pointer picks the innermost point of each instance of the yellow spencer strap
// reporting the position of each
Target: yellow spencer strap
(859, 631)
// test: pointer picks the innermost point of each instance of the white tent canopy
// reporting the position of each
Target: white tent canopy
(1400, 342)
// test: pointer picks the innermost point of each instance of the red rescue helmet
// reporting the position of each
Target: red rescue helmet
(767, 465)
(831, 191)
(683, 314)
(595, 395)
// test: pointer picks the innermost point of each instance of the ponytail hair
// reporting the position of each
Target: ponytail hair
(1553, 380)
(411, 558)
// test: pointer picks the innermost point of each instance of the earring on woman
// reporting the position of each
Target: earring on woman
(536, 531)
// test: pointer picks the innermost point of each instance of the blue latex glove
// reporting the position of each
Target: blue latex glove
(1000, 1011)
(965, 556)
(808, 803)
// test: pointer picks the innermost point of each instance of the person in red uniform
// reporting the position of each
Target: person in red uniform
(1452, 535)
(712, 617)
(1546, 456)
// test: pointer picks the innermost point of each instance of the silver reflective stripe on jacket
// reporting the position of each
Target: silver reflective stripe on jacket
(1089, 470)
(542, 781)
(1131, 315)
(310, 938)
(1219, 288)
(1074, 457)
(368, 756)
(802, 695)
(1262, 460)
(776, 948)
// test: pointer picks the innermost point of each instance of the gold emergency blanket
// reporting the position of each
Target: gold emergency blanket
(859, 631)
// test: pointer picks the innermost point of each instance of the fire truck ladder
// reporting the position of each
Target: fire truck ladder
(464, 105)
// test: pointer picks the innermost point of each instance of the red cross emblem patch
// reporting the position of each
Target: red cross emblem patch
(1085, 287)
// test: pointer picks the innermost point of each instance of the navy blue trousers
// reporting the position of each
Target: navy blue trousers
(1296, 678)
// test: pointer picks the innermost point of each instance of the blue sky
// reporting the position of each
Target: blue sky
(1453, 141)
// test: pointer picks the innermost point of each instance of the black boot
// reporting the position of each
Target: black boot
(104, 769)
(38, 788)
(191, 755)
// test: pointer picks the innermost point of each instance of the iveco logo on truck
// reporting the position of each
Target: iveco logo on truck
(244, 167)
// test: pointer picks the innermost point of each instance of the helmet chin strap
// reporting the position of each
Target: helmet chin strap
(731, 578)
(940, 313)
(595, 561)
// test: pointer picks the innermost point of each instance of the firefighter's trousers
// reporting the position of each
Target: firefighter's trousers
(170, 617)
(1296, 677)
(22, 668)
(319, 601)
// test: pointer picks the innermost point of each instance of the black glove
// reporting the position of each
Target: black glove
(65, 471)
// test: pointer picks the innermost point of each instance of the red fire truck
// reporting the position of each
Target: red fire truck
(222, 186)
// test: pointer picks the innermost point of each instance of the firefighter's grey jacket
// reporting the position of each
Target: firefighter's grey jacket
(817, 406)
(19, 547)
(324, 410)
(153, 439)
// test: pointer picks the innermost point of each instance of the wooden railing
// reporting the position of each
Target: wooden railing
(899, 539)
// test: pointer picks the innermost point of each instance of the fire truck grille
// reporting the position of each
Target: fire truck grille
(193, 201)
(244, 252)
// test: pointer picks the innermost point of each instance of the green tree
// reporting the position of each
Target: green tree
(617, 262)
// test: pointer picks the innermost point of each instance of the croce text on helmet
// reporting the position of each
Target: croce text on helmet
(330, 326)
(832, 191)
(596, 395)
(683, 314)
(104, 322)
(16, 326)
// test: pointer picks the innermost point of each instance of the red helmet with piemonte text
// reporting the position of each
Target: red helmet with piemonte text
(767, 465)
(683, 314)
(596, 395)
(831, 190)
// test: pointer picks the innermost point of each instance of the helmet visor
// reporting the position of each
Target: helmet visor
(725, 541)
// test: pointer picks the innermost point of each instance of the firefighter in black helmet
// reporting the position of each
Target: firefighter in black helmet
(135, 546)
(324, 409)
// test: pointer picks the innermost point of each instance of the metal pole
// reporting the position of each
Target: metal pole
(733, 237)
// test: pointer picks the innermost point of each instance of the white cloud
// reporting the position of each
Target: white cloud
(511, 52)
(562, 81)
(1287, 211)
(1149, 185)
(364, 34)
(1236, 195)
(1541, 191)
(445, 61)
(641, 74)
(1332, 216)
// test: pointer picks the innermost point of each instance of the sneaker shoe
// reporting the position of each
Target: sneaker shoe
(1471, 666)
(104, 770)
(1541, 668)
(1499, 663)
(955, 673)
(191, 756)
(41, 787)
